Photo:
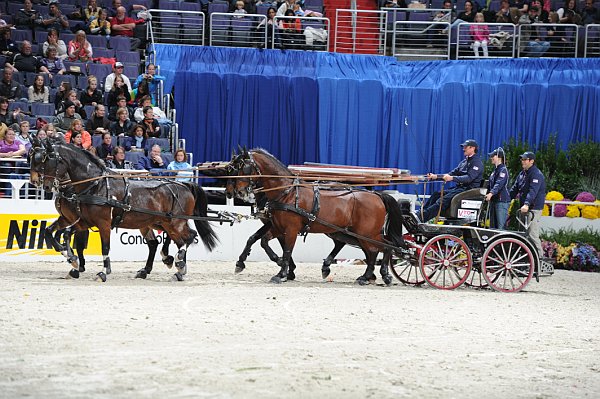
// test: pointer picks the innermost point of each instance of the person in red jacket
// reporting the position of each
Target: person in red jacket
(77, 128)
(122, 25)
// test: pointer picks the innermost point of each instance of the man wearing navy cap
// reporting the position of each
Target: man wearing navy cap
(467, 175)
(497, 194)
(530, 189)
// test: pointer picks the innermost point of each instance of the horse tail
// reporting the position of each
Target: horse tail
(207, 234)
(394, 220)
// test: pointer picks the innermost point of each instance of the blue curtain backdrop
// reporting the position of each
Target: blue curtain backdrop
(373, 111)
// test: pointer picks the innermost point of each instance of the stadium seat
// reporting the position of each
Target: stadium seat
(104, 52)
(22, 105)
(100, 71)
(89, 110)
(168, 4)
(42, 108)
(133, 157)
(128, 57)
(163, 143)
(97, 42)
(188, 6)
(82, 66)
(122, 43)
(132, 71)
(19, 35)
(58, 79)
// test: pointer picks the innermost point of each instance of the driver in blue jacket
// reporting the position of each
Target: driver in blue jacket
(530, 189)
(467, 175)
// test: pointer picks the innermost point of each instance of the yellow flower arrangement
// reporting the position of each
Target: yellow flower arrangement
(573, 211)
(546, 211)
(564, 253)
(554, 196)
(591, 211)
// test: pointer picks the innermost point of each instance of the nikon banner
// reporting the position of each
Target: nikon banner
(23, 225)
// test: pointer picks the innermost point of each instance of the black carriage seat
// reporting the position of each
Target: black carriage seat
(474, 194)
(413, 225)
(432, 230)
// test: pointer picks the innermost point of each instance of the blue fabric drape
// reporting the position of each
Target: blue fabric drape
(373, 111)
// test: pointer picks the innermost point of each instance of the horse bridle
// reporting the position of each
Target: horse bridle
(47, 159)
(248, 168)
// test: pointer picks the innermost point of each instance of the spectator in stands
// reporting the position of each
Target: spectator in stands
(79, 48)
(61, 94)
(112, 11)
(91, 95)
(180, 164)
(152, 79)
(121, 103)
(119, 89)
(504, 16)
(105, 149)
(287, 4)
(91, 12)
(52, 132)
(63, 121)
(521, 7)
(152, 161)
(8, 48)
(393, 4)
(55, 19)
(468, 15)
(497, 194)
(100, 26)
(9, 117)
(41, 134)
(10, 89)
(71, 98)
(532, 43)
(27, 17)
(151, 125)
(77, 128)
(292, 30)
(239, 9)
(25, 61)
(23, 136)
(76, 139)
(138, 115)
(38, 92)
(480, 35)
(9, 148)
(568, 14)
(117, 71)
(141, 91)
(270, 24)
(98, 123)
(137, 140)
(122, 25)
(467, 175)
(543, 15)
(122, 126)
(54, 40)
(590, 14)
(53, 64)
(530, 189)
(118, 158)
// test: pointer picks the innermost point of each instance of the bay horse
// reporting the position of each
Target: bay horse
(267, 233)
(104, 201)
(370, 220)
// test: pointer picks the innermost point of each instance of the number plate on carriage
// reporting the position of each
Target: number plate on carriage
(467, 214)
(470, 204)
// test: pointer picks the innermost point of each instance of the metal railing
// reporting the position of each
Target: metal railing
(592, 41)
(236, 30)
(360, 31)
(313, 33)
(176, 26)
(500, 44)
(549, 40)
(415, 40)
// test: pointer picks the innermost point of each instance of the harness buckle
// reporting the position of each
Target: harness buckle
(127, 207)
(312, 217)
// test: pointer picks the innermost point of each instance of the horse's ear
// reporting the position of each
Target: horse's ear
(35, 142)
(49, 147)
(245, 152)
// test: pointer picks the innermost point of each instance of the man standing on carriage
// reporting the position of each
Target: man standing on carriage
(467, 175)
(530, 189)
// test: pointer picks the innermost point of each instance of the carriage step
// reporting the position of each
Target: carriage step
(546, 268)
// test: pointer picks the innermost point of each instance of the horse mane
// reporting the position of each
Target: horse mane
(272, 157)
(91, 157)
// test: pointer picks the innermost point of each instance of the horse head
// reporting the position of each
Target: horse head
(47, 168)
(241, 165)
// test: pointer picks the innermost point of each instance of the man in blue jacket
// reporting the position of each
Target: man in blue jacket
(530, 189)
(152, 162)
(497, 194)
(467, 175)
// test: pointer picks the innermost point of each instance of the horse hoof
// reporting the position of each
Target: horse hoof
(325, 272)
(387, 280)
(101, 277)
(278, 280)
(291, 276)
(141, 274)
(73, 273)
(362, 281)
(108, 270)
(182, 270)
(168, 261)
(82, 268)
(239, 267)
(177, 277)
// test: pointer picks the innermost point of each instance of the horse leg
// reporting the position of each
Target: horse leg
(81, 240)
(287, 243)
(180, 258)
(292, 266)
(68, 253)
(369, 276)
(164, 252)
(384, 269)
(105, 241)
(152, 243)
(325, 270)
(53, 234)
(259, 234)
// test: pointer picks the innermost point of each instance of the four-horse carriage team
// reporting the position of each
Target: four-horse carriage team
(89, 195)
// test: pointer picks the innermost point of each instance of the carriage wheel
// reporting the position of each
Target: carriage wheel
(406, 271)
(476, 279)
(445, 262)
(507, 265)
